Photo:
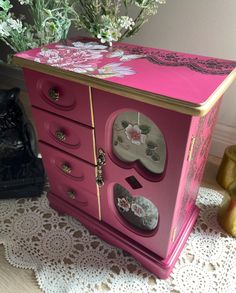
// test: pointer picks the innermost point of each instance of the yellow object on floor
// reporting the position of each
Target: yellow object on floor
(227, 170)
(227, 212)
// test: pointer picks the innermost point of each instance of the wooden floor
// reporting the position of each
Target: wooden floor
(14, 280)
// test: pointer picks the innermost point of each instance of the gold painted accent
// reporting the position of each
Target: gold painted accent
(91, 105)
(60, 135)
(66, 168)
(53, 94)
(190, 153)
(174, 234)
(94, 147)
(227, 211)
(93, 125)
(227, 170)
(94, 152)
(71, 194)
(132, 93)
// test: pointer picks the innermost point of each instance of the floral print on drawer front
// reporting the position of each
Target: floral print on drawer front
(136, 138)
(88, 58)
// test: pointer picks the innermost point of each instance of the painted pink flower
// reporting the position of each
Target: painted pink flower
(82, 58)
(115, 70)
(134, 134)
(138, 210)
(70, 58)
(123, 204)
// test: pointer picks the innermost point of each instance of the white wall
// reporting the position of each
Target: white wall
(206, 27)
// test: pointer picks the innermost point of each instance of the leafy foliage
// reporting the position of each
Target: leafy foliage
(50, 23)
(124, 124)
(145, 129)
(104, 20)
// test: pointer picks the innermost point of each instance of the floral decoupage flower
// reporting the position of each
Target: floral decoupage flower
(133, 133)
(138, 210)
(123, 204)
(116, 69)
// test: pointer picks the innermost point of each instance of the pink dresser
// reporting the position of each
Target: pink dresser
(124, 134)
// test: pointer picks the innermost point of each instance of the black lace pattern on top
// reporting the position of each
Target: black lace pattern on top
(206, 66)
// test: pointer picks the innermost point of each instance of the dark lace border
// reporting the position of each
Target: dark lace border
(210, 66)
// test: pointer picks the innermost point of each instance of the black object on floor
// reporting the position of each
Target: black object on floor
(21, 171)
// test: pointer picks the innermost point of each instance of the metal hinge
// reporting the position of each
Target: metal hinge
(174, 234)
(190, 152)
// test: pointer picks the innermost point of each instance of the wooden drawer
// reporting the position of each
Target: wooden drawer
(71, 179)
(62, 97)
(67, 135)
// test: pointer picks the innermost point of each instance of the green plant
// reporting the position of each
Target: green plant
(49, 21)
(109, 20)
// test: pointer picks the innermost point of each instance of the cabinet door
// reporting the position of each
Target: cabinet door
(144, 148)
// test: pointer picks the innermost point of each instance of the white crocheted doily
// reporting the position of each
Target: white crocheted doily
(66, 258)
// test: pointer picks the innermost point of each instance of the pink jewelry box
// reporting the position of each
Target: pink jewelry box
(124, 134)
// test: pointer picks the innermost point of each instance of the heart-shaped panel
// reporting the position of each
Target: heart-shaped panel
(137, 138)
(138, 211)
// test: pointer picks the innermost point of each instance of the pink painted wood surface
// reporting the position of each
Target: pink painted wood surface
(78, 138)
(162, 192)
(158, 266)
(201, 129)
(73, 101)
(80, 181)
(185, 77)
(188, 78)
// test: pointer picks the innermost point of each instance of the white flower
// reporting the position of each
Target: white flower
(116, 69)
(50, 53)
(123, 204)
(150, 4)
(4, 29)
(134, 134)
(126, 22)
(89, 46)
(24, 2)
(84, 68)
(121, 55)
(114, 54)
(15, 24)
(109, 32)
(90, 52)
(138, 210)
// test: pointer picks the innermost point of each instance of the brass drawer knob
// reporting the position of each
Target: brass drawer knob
(53, 94)
(66, 168)
(71, 194)
(60, 135)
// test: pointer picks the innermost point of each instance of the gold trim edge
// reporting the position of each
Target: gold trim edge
(94, 152)
(132, 93)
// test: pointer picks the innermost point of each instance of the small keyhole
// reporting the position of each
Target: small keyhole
(133, 182)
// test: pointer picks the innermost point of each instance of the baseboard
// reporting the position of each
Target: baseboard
(223, 136)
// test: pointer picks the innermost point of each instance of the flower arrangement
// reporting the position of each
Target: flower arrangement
(104, 20)
(50, 22)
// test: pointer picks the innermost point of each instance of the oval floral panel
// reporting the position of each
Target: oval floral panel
(138, 211)
(135, 137)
